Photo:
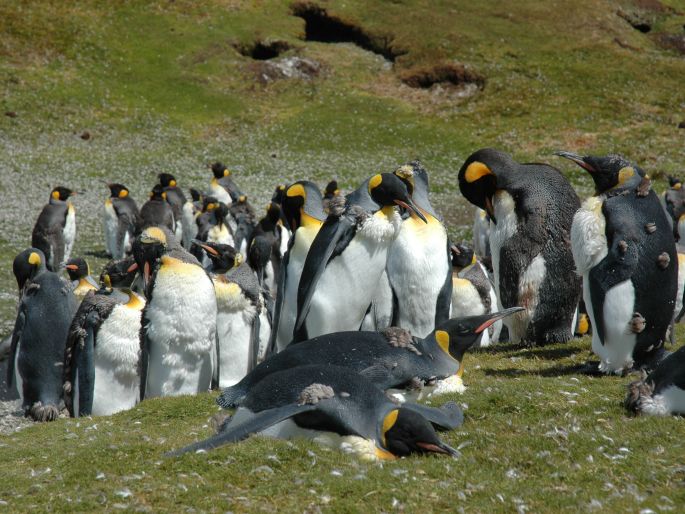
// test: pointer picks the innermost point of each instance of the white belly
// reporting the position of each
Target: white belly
(18, 381)
(69, 232)
(220, 234)
(528, 297)
(681, 284)
(220, 193)
(616, 353)
(669, 401)
(588, 238)
(188, 223)
(111, 224)
(501, 232)
(380, 315)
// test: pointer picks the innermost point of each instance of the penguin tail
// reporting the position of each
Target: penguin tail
(231, 397)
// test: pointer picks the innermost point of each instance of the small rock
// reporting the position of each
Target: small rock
(681, 125)
(85, 135)
(11, 114)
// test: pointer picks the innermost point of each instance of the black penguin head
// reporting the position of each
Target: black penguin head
(220, 171)
(479, 174)
(77, 268)
(28, 265)
(220, 213)
(148, 249)
(674, 182)
(195, 195)
(166, 180)
(223, 257)
(406, 432)
(303, 205)
(61, 193)
(279, 193)
(331, 190)
(462, 255)
(118, 191)
(608, 172)
(386, 189)
(258, 255)
(158, 193)
(209, 203)
(119, 273)
(457, 335)
(273, 212)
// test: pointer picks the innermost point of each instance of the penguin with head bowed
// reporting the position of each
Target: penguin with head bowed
(156, 211)
(45, 310)
(119, 273)
(419, 263)
(662, 392)
(222, 186)
(273, 230)
(79, 274)
(303, 211)
(337, 407)
(102, 355)
(55, 229)
(242, 220)
(121, 216)
(624, 249)
(481, 233)
(348, 257)
(181, 207)
(392, 358)
(178, 333)
(531, 209)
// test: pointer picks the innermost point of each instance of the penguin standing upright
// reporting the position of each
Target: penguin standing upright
(624, 248)
(481, 233)
(178, 333)
(348, 257)
(39, 338)
(531, 208)
(177, 200)
(272, 229)
(242, 220)
(419, 263)
(121, 216)
(55, 229)
(222, 186)
(303, 210)
(156, 212)
(79, 274)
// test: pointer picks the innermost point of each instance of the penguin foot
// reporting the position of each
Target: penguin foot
(40, 412)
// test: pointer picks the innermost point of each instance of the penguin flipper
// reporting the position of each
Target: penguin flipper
(233, 432)
(16, 337)
(280, 292)
(84, 373)
(334, 235)
(447, 417)
(444, 301)
(144, 358)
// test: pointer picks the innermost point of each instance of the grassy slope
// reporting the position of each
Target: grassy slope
(159, 87)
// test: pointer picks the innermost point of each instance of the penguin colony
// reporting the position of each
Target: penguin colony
(331, 315)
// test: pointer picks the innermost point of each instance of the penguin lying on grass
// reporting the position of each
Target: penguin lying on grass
(390, 359)
(662, 392)
(337, 407)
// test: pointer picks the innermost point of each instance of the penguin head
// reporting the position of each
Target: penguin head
(148, 249)
(331, 189)
(195, 195)
(167, 180)
(223, 257)
(220, 171)
(119, 273)
(259, 253)
(405, 432)
(457, 335)
(386, 189)
(279, 193)
(674, 182)
(77, 268)
(303, 205)
(479, 174)
(158, 193)
(209, 203)
(118, 191)
(220, 213)
(28, 265)
(273, 212)
(608, 172)
(462, 255)
(61, 193)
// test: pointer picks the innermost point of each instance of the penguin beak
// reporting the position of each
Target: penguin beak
(440, 448)
(410, 206)
(578, 159)
(133, 267)
(146, 274)
(496, 317)
(72, 267)
(205, 247)
(490, 209)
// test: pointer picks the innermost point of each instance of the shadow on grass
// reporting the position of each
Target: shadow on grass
(586, 368)
(100, 254)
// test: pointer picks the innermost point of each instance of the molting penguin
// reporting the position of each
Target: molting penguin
(531, 209)
(303, 210)
(55, 229)
(337, 407)
(102, 356)
(177, 200)
(391, 358)
(419, 263)
(156, 211)
(40, 334)
(120, 219)
(178, 333)
(79, 274)
(662, 392)
(624, 249)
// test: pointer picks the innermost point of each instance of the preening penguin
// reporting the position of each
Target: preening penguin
(419, 264)
(55, 229)
(624, 249)
(531, 209)
(178, 333)
(347, 258)
(79, 274)
(662, 392)
(120, 219)
(102, 356)
(337, 407)
(40, 332)
(156, 211)
(391, 358)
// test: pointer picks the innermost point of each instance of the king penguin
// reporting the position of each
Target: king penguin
(348, 257)
(419, 263)
(45, 311)
(337, 407)
(177, 200)
(79, 274)
(624, 248)
(178, 333)
(156, 211)
(55, 229)
(222, 186)
(103, 354)
(303, 210)
(121, 216)
(531, 208)
(662, 392)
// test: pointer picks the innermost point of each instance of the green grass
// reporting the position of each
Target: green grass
(160, 87)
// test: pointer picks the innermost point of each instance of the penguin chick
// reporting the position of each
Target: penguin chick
(531, 209)
(337, 407)
(662, 392)
(156, 211)
(120, 218)
(622, 263)
(55, 229)
(79, 274)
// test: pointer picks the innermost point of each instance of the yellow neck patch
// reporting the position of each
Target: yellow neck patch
(443, 339)
(296, 190)
(123, 193)
(34, 259)
(460, 371)
(172, 183)
(677, 186)
(227, 172)
(309, 221)
(55, 195)
(475, 171)
(375, 181)
(388, 422)
(107, 280)
(624, 175)
(384, 454)
(134, 301)
(153, 235)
